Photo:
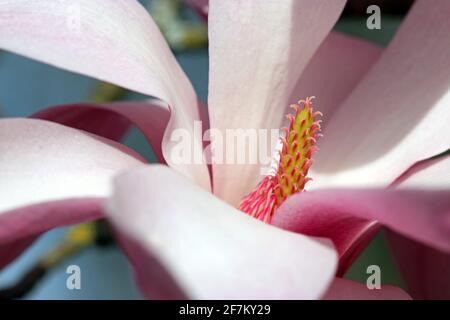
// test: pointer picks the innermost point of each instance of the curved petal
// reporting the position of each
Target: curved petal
(211, 250)
(93, 118)
(111, 120)
(257, 52)
(432, 173)
(42, 161)
(349, 217)
(343, 289)
(115, 41)
(51, 175)
(398, 114)
(425, 270)
(152, 278)
(334, 71)
(32, 220)
(12, 249)
(20, 227)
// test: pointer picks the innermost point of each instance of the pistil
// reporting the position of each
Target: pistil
(294, 160)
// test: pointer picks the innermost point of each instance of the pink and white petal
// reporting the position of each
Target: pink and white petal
(87, 117)
(52, 175)
(431, 174)
(111, 120)
(258, 49)
(152, 278)
(425, 270)
(334, 71)
(351, 217)
(398, 114)
(344, 289)
(43, 161)
(20, 227)
(210, 249)
(114, 41)
(32, 220)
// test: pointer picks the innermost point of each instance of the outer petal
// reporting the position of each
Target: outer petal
(399, 113)
(349, 217)
(20, 227)
(434, 174)
(10, 250)
(343, 289)
(258, 50)
(93, 118)
(115, 41)
(111, 120)
(51, 175)
(334, 71)
(425, 270)
(43, 161)
(212, 250)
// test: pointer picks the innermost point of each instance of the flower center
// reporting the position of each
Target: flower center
(298, 145)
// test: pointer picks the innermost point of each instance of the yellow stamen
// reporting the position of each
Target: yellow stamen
(295, 159)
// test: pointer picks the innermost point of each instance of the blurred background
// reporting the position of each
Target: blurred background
(27, 86)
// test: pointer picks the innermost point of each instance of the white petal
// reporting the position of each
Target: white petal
(212, 250)
(399, 114)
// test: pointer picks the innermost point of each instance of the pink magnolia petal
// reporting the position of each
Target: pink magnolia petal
(343, 289)
(433, 174)
(426, 271)
(152, 278)
(41, 161)
(87, 117)
(334, 71)
(34, 219)
(50, 176)
(211, 250)
(19, 227)
(114, 41)
(12, 249)
(351, 217)
(258, 49)
(399, 113)
(111, 120)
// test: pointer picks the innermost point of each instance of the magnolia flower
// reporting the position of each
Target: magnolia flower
(386, 117)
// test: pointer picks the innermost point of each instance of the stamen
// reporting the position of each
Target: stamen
(290, 177)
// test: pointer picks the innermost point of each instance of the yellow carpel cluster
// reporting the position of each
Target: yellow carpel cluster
(295, 159)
